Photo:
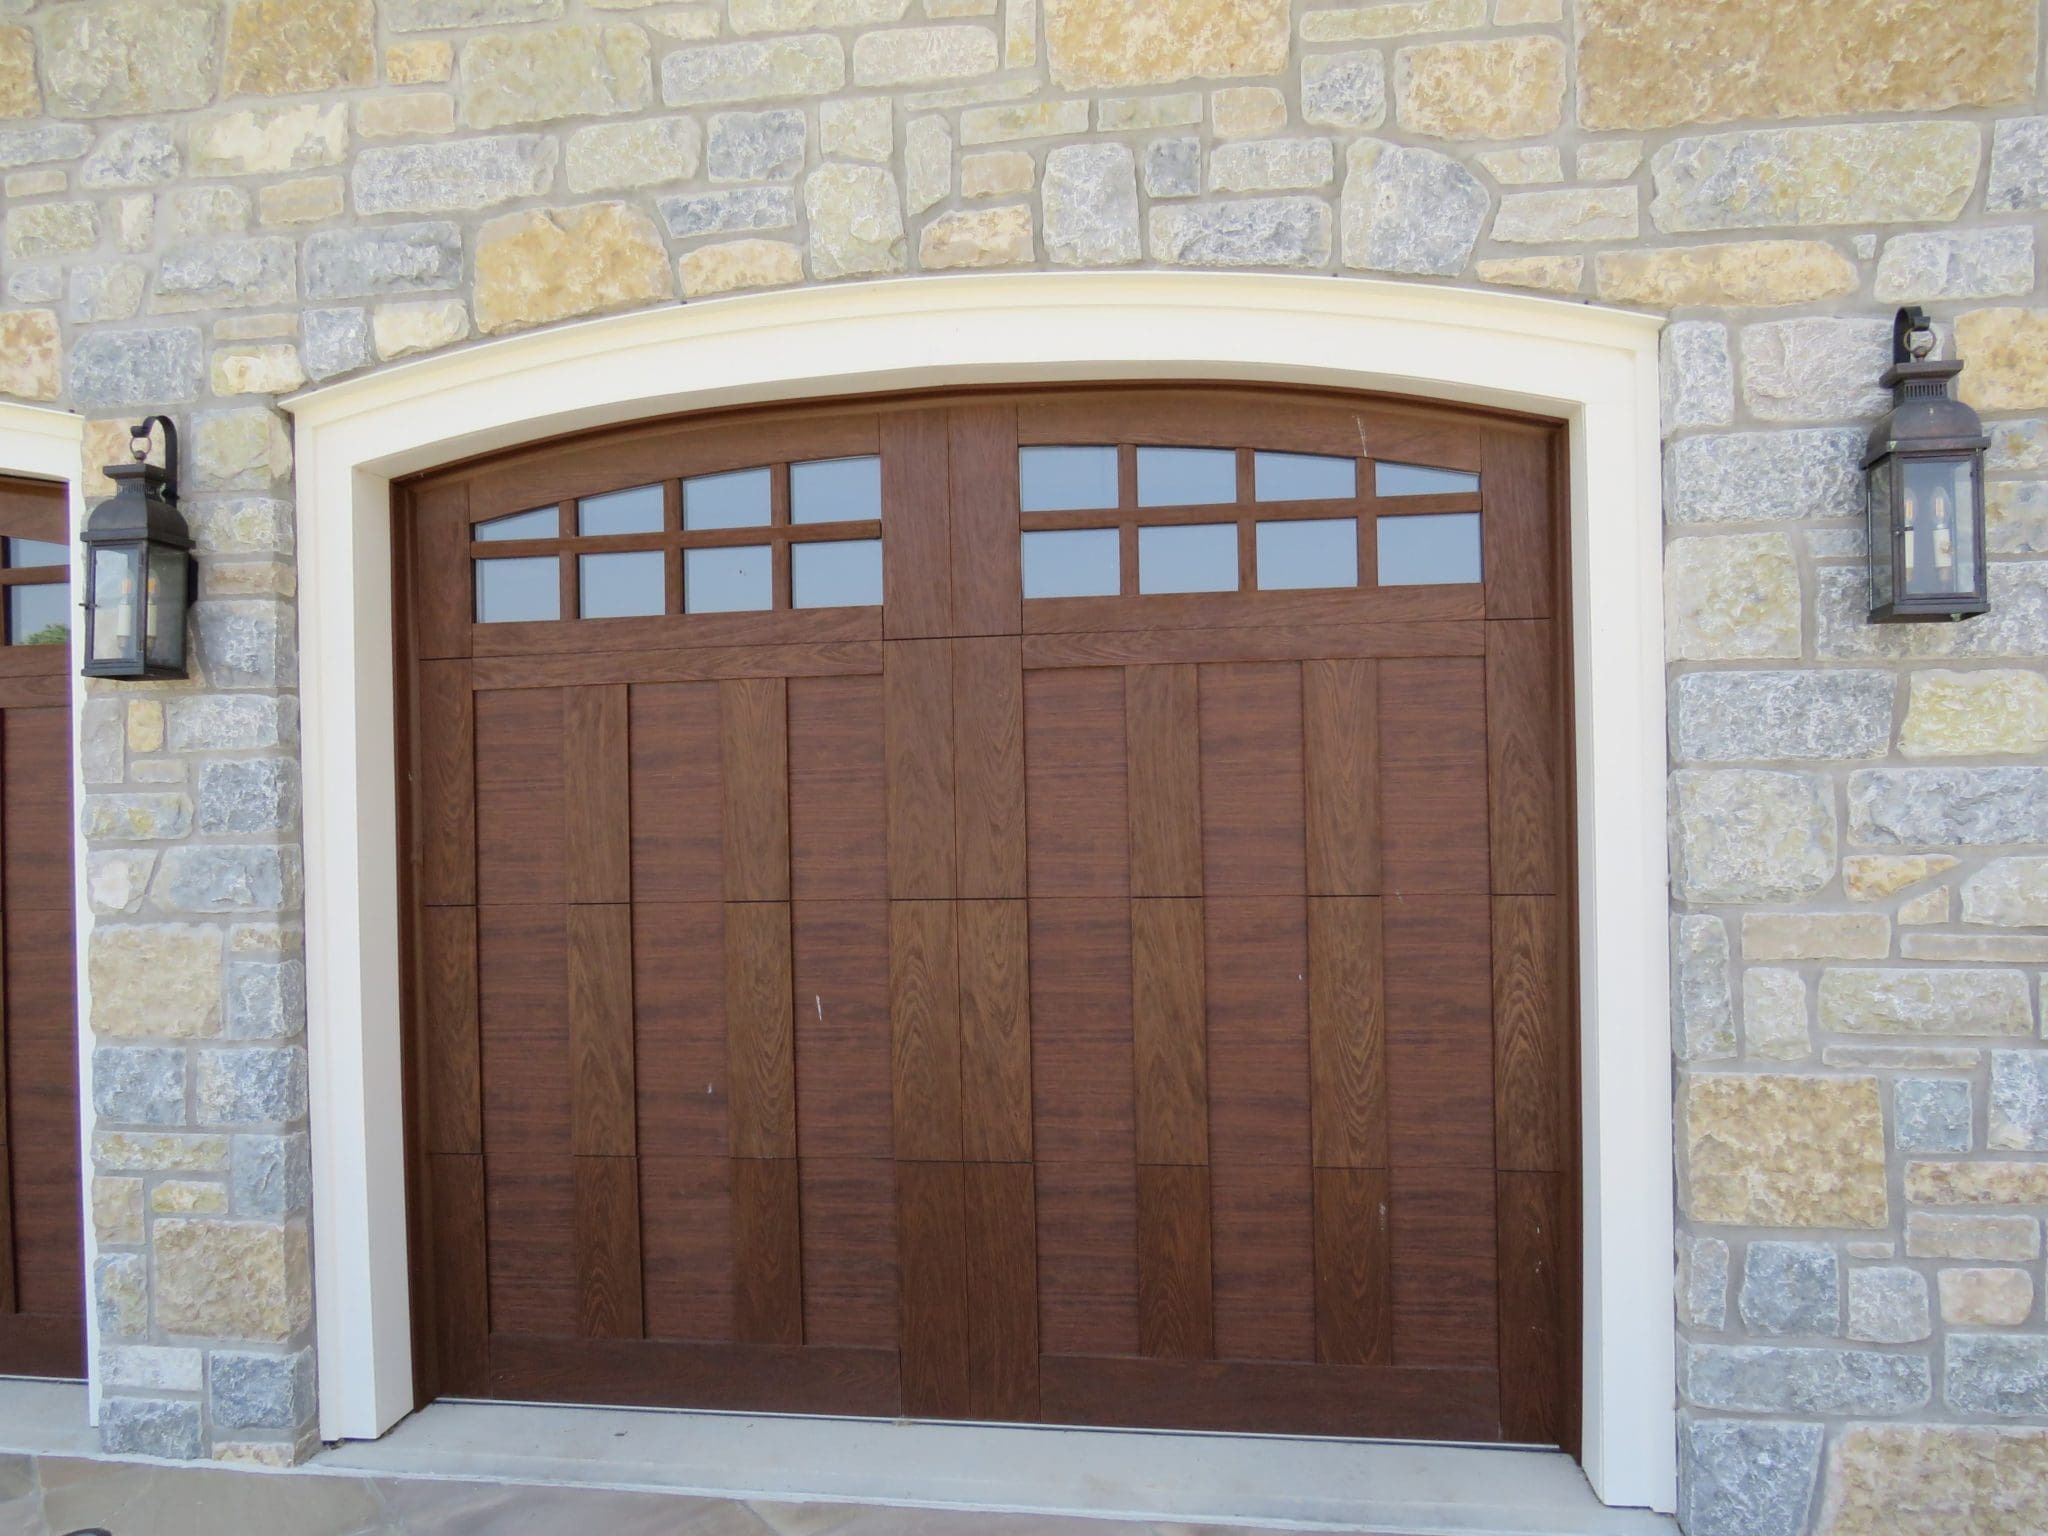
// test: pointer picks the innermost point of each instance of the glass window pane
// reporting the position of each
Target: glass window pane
(1938, 551)
(39, 615)
(843, 574)
(620, 586)
(1079, 562)
(1066, 479)
(835, 491)
(1318, 553)
(541, 523)
(1420, 480)
(728, 580)
(1186, 477)
(518, 591)
(164, 640)
(1429, 550)
(116, 575)
(634, 511)
(1201, 558)
(738, 499)
(26, 554)
(1303, 477)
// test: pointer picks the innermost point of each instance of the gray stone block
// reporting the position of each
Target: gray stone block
(271, 1176)
(1933, 265)
(150, 1426)
(246, 642)
(2019, 1101)
(1746, 834)
(266, 999)
(455, 175)
(159, 367)
(1778, 1378)
(362, 263)
(1249, 232)
(227, 274)
(1748, 477)
(39, 142)
(1702, 1004)
(337, 341)
(734, 211)
(1739, 1478)
(1173, 168)
(2005, 1374)
(242, 525)
(1931, 1114)
(252, 1391)
(1791, 1288)
(138, 1084)
(2016, 626)
(230, 879)
(1410, 210)
(260, 1085)
(1344, 90)
(1948, 807)
(756, 146)
(2019, 165)
(1703, 1281)
(1724, 717)
(1090, 198)
(1697, 373)
(132, 155)
(229, 722)
(1888, 1306)
(250, 795)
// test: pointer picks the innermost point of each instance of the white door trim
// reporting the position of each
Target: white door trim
(1594, 368)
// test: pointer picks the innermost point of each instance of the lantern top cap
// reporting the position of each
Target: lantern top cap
(145, 503)
(1925, 416)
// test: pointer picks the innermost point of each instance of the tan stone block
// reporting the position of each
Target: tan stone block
(1515, 13)
(1657, 63)
(1137, 114)
(1156, 42)
(862, 129)
(985, 237)
(1779, 1151)
(1747, 273)
(244, 449)
(117, 1209)
(31, 354)
(2002, 711)
(1247, 111)
(257, 371)
(420, 63)
(855, 214)
(1503, 88)
(998, 173)
(120, 58)
(739, 264)
(1986, 1298)
(2005, 358)
(106, 442)
(40, 183)
(160, 980)
(189, 1197)
(135, 222)
(1576, 214)
(1732, 596)
(1875, 1001)
(1040, 120)
(1402, 19)
(263, 141)
(415, 115)
(159, 1152)
(1942, 1235)
(230, 1280)
(542, 75)
(285, 47)
(20, 96)
(1616, 160)
(1978, 1183)
(51, 229)
(145, 725)
(304, 200)
(688, 24)
(609, 157)
(423, 325)
(1928, 907)
(922, 55)
(950, 9)
(252, 578)
(1554, 274)
(1840, 173)
(813, 15)
(1529, 166)
(1936, 1480)
(1874, 876)
(1816, 936)
(123, 1300)
(544, 265)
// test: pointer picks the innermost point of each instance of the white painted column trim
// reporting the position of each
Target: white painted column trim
(1593, 368)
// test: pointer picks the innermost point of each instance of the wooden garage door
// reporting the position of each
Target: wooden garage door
(1046, 908)
(42, 1281)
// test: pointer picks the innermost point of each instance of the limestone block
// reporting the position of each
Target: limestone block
(1967, 264)
(306, 200)
(1815, 936)
(241, 449)
(1732, 596)
(1250, 232)
(1791, 1288)
(158, 1153)
(261, 370)
(1722, 717)
(688, 23)
(1553, 274)
(227, 274)
(160, 980)
(117, 878)
(2017, 445)
(1850, 173)
(337, 341)
(1523, 167)
(1094, 43)
(1658, 63)
(856, 221)
(1925, 1002)
(921, 55)
(117, 1210)
(261, 141)
(1751, 835)
(1745, 274)
(736, 264)
(1401, 18)
(1972, 948)
(1173, 168)
(858, 130)
(2019, 165)
(188, 1197)
(1020, 33)
(290, 47)
(416, 115)
(1697, 373)
(1342, 90)
(1931, 1114)
(1815, 369)
(813, 15)
(131, 155)
(266, 999)
(2017, 625)
(1702, 1007)
(928, 162)
(31, 354)
(546, 265)
(230, 1280)
(1553, 218)
(1888, 1306)
(151, 1426)
(1976, 714)
(121, 1294)
(51, 229)
(20, 96)
(1996, 1374)
(1409, 210)
(1702, 1281)
(2019, 1101)
(257, 1085)
(427, 61)
(1941, 1235)
(43, 141)
(756, 146)
(997, 173)
(201, 214)
(753, 71)
(2010, 893)
(2016, 517)
(465, 174)
(138, 1085)
(252, 1391)
(545, 75)
(128, 58)
(1787, 1379)
(2005, 356)
(1774, 1014)
(985, 237)
(1037, 120)
(1977, 1183)
(199, 879)
(1986, 1298)
(1740, 1478)
(1760, 476)
(1948, 807)
(1936, 1480)
(1615, 160)
(1784, 1151)
(1272, 165)
(271, 1176)
(153, 1368)
(1247, 111)
(133, 817)
(1504, 88)
(727, 212)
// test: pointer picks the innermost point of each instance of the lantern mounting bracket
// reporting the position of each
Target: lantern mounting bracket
(1912, 336)
(138, 446)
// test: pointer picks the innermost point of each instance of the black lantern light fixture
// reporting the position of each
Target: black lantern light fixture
(138, 567)
(1925, 474)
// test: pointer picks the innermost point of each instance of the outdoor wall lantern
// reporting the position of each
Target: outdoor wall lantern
(138, 567)
(1925, 509)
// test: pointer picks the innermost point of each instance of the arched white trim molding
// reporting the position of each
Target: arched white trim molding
(1595, 369)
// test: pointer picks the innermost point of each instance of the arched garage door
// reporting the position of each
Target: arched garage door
(1048, 907)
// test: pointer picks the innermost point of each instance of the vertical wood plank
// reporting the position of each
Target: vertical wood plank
(1082, 1093)
(1520, 542)
(1522, 726)
(995, 1031)
(754, 753)
(1087, 1257)
(850, 1252)
(917, 688)
(607, 1241)
(931, 1238)
(448, 1029)
(597, 810)
(917, 556)
(845, 1077)
(1074, 777)
(1169, 1031)
(1433, 834)
(988, 765)
(1528, 1033)
(444, 799)
(759, 1052)
(519, 818)
(442, 594)
(1176, 1309)
(1163, 735)
(686, 1246)
(9, 1299)
(1445, 1265)
(1347, 1033)
(1532, 1297)
(1340, 725)
(987, 583)
(1439, 1002)
(1354, 1268)
(924, 1029)
(837, 807)
(1263, 1260)
(601, 1031)
(1253, 830)
(455, 1192)
(767, 1252)
(675, 753)
(1002, 1291)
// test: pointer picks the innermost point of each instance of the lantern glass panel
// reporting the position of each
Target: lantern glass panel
(1877, 525)
(1938, 546)
(168, 569)
(117, 603)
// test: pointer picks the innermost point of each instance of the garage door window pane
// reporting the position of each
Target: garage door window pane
(634, 511)
(728, 580)
(621, 586)
(541, 523)
(842, 574)
(835, 490)
(1421, 480)
(1186, 477)
(1077, 563)
(1066, 479)
(518, 591)
(1429, 550)
(39, 615)
(1322, 552)
(735, 500)
(1200, 558)
(1303, 477)
(33, 554)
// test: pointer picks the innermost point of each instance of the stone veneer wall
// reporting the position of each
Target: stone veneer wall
(208, 205)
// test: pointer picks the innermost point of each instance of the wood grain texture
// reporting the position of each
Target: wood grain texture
(1354, 1267)
(751, 646)
(1445, 1272)
(1529, 1048)
(1438, 988)
(767, 1252)
(1523, 727)
(1255, 952)
(917, 554)
(676, 783)
(608, 1248)
(1074, 767)
(1347, 1032)
(444, 798)
(1340, 723)
(1520, 533)
(1176, 1307)
(41, 1040)
(917, 680)
(924, 1022)
(520, 849)
(1433, 828)
(596, 801)
(1087, 1257)
(1532, 1302)
(995, 1031)
(447, 1001)
(442, 596)
(1253, 834)
(686, 1213)
(987, 580)
(760, 1074)
(1163, 737)
(932, 1244)
(1169, 1031)
(754, 730)
(455, 1191)
(1254, 643)
(732, 1378)
(1002, 1291)
(1083, 1096)
(1263, 1263)
(838, 845)
(850, 1252)
(845, 1077)
(602, 1112)
(680, 1059)
(988, 767)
